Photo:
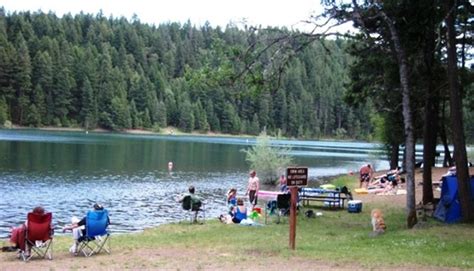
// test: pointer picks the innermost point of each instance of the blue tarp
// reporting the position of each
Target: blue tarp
(449, 207)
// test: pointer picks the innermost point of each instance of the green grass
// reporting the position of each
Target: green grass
(337, 236)
(348, 181)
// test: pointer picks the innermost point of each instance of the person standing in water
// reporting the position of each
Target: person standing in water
(170, 167)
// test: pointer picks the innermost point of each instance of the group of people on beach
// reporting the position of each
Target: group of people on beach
(385, 183)
(236, 212)
(236, 209)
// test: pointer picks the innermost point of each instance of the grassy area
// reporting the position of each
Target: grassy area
(336, 237)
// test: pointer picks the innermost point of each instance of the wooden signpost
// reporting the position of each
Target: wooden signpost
(295, 177)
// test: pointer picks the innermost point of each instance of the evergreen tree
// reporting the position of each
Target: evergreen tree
(135, 117)
(23, 85)
(280, 109)
(264, 109)
(186, 117)
(254, 126)
(3, 111)
(146, 119)
(161, 114)
(230, 122)
(38, 100)
(89, 106)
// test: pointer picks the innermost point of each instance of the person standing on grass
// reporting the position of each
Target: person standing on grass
(366, 173)
(253, 187)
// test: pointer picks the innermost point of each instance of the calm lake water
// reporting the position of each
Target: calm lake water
(66, 172)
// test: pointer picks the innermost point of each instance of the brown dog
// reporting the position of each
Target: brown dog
(378, 223)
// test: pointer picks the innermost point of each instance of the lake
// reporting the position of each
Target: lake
(66, 172)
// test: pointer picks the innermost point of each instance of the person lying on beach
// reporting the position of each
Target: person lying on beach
(381, 181)
(392, 186)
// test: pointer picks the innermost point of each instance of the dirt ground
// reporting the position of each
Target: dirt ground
(191, 259)
(400, 200)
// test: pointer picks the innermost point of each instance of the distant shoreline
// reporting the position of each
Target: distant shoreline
(169, 130)
(164, 131)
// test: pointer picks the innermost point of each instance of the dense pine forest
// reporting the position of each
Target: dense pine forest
(96, 72)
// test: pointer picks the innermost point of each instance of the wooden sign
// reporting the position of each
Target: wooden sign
(297, 176)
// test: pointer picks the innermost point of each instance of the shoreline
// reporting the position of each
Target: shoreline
(171, 130)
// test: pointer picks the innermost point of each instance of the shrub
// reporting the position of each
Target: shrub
(268, 161)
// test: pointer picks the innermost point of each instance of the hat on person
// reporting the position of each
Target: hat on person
(253, 172)
(97, 206)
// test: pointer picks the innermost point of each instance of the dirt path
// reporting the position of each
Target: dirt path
(182, 259)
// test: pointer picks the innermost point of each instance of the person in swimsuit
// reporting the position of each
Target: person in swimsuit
(252, 188)
(239, 212)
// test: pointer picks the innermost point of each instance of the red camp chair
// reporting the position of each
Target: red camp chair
(38, 237)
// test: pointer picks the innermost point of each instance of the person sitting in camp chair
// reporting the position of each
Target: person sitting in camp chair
(93, 225)
(35, 234)
(191, 202)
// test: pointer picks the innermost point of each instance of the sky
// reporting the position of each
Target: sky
(217, 12)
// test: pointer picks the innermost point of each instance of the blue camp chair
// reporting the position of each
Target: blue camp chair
(96, 238)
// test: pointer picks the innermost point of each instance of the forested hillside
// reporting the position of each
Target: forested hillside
(91, 71)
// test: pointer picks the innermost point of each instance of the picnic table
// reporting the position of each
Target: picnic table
(331, 198)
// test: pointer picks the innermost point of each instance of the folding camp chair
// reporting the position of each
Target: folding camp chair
(279, 207)
(38, 237)
(283, 205)
(191, 205)
(96, 238)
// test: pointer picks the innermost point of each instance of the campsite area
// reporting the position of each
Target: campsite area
(337, 240)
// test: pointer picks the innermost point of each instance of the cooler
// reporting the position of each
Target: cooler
(354, 206)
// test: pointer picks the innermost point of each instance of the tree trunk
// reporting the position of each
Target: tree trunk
(407, 120)
(429, 147)
(447, 161)
(431, 116)
(460, 156)
(394, 153)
